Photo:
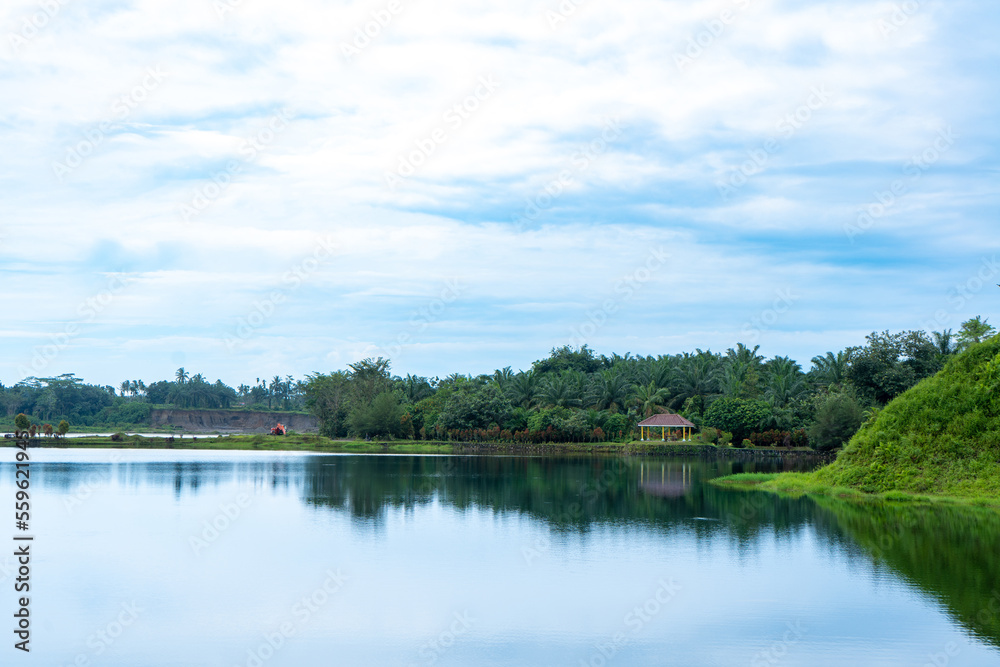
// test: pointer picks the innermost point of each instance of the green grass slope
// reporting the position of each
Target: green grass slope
(939, 438)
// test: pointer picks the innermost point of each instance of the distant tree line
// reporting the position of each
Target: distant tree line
(129, 404)
(736, 397)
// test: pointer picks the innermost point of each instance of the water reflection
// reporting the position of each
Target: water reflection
(949, 554)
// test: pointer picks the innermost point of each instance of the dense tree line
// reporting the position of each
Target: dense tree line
(575, 395)
(571, 395)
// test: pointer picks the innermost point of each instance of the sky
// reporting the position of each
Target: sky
(250, 188)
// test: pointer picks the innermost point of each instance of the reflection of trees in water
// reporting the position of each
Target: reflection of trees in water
(951, 552)
(567, 493)
(185, 476)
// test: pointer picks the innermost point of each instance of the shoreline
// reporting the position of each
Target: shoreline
(796, 485)
(319, 444)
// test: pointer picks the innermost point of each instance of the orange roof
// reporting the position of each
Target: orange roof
(666, 420)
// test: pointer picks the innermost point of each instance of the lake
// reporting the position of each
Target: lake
(247, 559)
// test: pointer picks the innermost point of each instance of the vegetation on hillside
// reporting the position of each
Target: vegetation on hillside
(939, 438)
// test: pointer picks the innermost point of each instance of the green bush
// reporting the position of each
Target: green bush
(838, 417)
(741, 417)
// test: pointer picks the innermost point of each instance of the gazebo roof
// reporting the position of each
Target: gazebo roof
(666, 420)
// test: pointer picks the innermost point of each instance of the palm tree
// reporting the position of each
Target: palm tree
(561, 391)
(609, 389)
(646, 397)
(274, 390)
(696, 377)
(831, 369)
(944, 341)
(785, 382)
(741, 371)
(182, 375)
(524, 388)
(125, 386)
(416, 388)
(501, 377)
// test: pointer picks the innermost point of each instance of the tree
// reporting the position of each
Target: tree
(609, 389)
(22, 422)
(502, 377)
(369, 378)
(181, 375)
(975, 330)
(382, 417)
(647, 397)
(945, 342)
(785, 382)
(524, 388)
(476, 407)
(838, 417)
(328, 397)
(415, 388)
(830, 369)
(891, 363)
(566, 358)
(741, 372)
(562, 390)
(739, 416)
(63, 428)
(695, 379)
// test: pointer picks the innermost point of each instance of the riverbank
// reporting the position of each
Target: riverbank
(298, 442)
(796, 485)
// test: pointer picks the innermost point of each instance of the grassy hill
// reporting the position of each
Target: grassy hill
(940, 438)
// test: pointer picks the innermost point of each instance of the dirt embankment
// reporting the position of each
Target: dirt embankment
(232, 420)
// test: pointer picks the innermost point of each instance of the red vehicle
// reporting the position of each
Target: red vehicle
(279, 429)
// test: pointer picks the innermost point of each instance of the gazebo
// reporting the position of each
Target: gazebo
(663, 422)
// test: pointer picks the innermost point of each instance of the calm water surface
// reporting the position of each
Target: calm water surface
(251, 559)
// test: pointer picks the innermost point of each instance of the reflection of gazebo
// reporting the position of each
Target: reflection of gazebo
(663, 422)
